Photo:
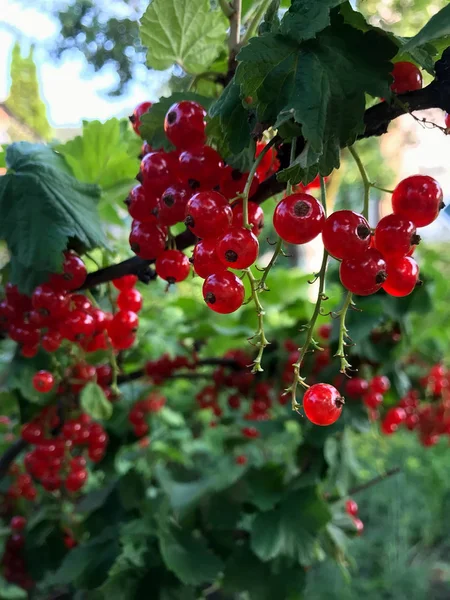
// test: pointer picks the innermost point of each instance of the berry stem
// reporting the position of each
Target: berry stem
(343, 332)
(366, 183)
(256, 19)
(278, 250)
(249, 181)
(382, 189)
(262, 341)
(292, 158)
(226, 8)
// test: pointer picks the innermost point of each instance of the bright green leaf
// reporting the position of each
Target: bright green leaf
(94, 402)
(41, 207)
(185, 32)
(8, 591)
(437, 27)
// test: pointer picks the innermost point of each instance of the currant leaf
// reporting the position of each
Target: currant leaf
(42, 206)
(305, 18)
(185, 32)
(94, 402)
(437, 27)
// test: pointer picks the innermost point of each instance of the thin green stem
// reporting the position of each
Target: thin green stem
(261, 340)
(278, 249)
(256, 19)
(323, 194)
(292, 158)
(226, 8)
(343, 332)
(382, 189)
(365, 179)
(248, 184)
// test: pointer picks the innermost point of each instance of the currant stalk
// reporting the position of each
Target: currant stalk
(262, 341)
(343, 332)
(248, 184)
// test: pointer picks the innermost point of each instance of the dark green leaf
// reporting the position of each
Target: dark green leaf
(437, 27)
(306, 18)
(94, 402)
(41, 207)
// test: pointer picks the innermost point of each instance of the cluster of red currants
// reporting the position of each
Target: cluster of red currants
(371, 392)
(351, 508)
(55, 313)
(13, 561)
(164, 367)
(153, 403)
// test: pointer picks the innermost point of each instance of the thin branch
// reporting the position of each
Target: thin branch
(256, 19)
(374, 481)
(343, 333)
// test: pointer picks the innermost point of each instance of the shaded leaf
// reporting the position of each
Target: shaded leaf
(94, 402)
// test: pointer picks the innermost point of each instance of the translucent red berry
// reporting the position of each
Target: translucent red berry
(135, 118)
(18, 523)
(125, 283)
(395, 236)
(184, 124)
(147, 240)
(419, 199)
(255, 216)
(346, 233)
(172, 205)
(372, 399)
(75, 480)
(380, 384)
(201, 166)
(322, 404)
(407, 78)
(156, 172)
(43, 381)
(298, 218)
(208, 214)
(223, 292)
(356, 387)
(142, 206)
(205, 259)
(364, 274)
(238, 248)
(130, 300)
(351, 508)
(402, 276)
(50, 303)
(173, 266)
(73, 274)
(124, 323)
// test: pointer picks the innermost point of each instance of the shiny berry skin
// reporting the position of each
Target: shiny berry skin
(23, 333)
(15, 299)
(380, 384)
(232, 183)
(184, 124)
(407, 78)
(359, 525)
(346, 233)
(51, 341)
(75, 480)
(372, 399)
(50, 303)
(208, 214)
(223, 292)
(269, 163)
(402, 276)
(43, 381)
(322, 404)
(147, 240)
(32, 432)
(255, 216)
(125, 283)
(172, 205)
(351, 508)
(201, 166)
(77, 325)
(205, 258)
(173, 266)
(419, 199)
(238, 248)
(73, 274)
(130, 300)
(156, 172)
(356, 387)
(364, 274)
(138, 112)
(298, 218)
(124, 323)
(395, 236)
(142, 206)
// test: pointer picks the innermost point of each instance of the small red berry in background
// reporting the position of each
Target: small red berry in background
(18, 523)
(359, 525)
(324, 331)
(138, 112)
(380, 384)
(241, 459)
(43, 381)
(127, 282)
(356, 387)
(407, 78)
(351, 508)
(322, 404)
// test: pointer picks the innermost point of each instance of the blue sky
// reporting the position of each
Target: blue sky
(71, 91)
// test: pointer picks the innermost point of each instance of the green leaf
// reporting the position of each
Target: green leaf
(303, 169)
(94, 402)
(265, 487)
(437, 27)
(101, 154)
(189, 558)
(292, 528)
(341, 459)
(8, 403)
(8, 591)
(152, 128)
(41, 207)
(306, 18)
(320, 83)
(185, 32)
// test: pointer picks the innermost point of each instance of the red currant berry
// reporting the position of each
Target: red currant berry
(138, 112)
(51, 341)
(70, 542)
(208, 214)
(395, 236)
(125, 283)
(269, 163)
(402, 276)
(173, 266)
(130, 300)
(18, 523)
(75, 480)
(359, 525)
(205, 258)
(142, 206)
(241, 459)
(345, 234)
(145, 149)
(123, 342)
(147, 240)
(24, 333)
(380, 384)
(78, 463)
(250, 432)
(232, 183)
(356, 387)
(18, 301)
(298, 218)
(419, 199)
(407, 78)
(73, 274)
(255, 216)
(201, 166)
(238, 248)
(234, 401)
(77, 325)
(364, 274)
(322, 404)
(324, 331)
(49, 303)
(351, 508)
(172, 206)
(29, 351)
(32, 432)
(43, 381)
(124, 323)
(372, 399)
(157, 172)
(184, 124)
(447, 120)
(223, 292)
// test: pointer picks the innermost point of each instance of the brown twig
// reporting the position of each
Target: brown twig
(374, 481)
